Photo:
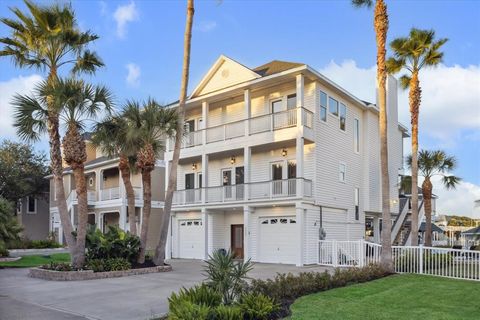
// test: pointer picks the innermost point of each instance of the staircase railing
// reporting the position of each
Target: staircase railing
(397, 226)
(421, 214)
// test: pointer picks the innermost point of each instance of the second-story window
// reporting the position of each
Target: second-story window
(343, 117)
(323, 106)
(291, 101)
(357, 203)
(333, 104)
(356, 135)
(342, 172)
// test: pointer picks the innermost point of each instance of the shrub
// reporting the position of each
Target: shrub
(257, 306)
(227, 276)
(58, 266)
(223, 312)
(197, 302)
(116, 243)
(25, 243)
(3, 250)
(9, 227)
(112, 264)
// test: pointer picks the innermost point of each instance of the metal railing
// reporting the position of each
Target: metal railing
(348, 253)
(110, 194)
(263, 123)
(273, 189)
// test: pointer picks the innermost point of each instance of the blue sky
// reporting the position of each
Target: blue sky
(141, 43)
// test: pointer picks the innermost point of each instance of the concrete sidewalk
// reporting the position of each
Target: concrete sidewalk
(129, 298)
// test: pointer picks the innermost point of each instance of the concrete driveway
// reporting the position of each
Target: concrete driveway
(130, 298)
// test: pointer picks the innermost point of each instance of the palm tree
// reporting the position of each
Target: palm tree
(110, 136)
(76, 102)
(380, 24)
(146, 126)
(412, 54)
(172, 175)
(48, 38)
(430, 164)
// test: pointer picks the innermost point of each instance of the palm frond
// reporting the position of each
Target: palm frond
(30, 117)
(405, 81)
(362, 3)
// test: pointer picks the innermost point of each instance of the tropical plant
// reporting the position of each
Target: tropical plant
(9, 227)
(146, 125)
(194, 303)
(257, 306)
(226, 275)
(430, 164)
(115, 243)
(411, 54)
(110, 136)
(75, 103)
(380, 24)
(48, 38)
(159, 257)
(106, 265)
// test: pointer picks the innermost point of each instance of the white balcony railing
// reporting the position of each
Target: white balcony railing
(110, 194)
(255, 191)
(91, 196)
(258, 124)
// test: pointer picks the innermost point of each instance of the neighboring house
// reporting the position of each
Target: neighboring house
(472, 236)
(276, 158)
(33, 214)
(107, 201)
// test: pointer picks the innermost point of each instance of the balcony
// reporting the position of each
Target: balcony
(264, 123)
(266, 190)
(72, 197)
(109, 194)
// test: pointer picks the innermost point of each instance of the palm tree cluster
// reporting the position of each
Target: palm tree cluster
(48, 38)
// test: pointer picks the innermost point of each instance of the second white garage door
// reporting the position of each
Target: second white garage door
(278, 240)
(190, 239)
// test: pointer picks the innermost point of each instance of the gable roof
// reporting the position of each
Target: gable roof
(276, 66)
(475, 230)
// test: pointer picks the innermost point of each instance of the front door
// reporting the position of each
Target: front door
(237, 240)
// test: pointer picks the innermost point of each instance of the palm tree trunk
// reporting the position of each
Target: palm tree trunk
(57, 169)
(381, 28)
(78, 258)
(172, 177)
(414, 97)
(125, 172)
(147, 206)
(427, 202)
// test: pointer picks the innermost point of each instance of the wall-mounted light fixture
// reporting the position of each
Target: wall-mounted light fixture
(232, 160)
(194, 166)
(284, 152)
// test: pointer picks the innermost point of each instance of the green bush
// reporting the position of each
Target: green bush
(227, 276)
(58, 266)
(116, 243)
(197, 302)
(223, 312)
(257, 306)
(9, 227)
(3, 250)
(112, 264)
(25, 243)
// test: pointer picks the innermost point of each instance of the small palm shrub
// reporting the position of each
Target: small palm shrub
(257, 306)
(116, 243)
(227, 276)
(198, 302)
(9, 227)
(223, 312)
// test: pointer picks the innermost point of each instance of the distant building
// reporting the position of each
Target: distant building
(34, 215)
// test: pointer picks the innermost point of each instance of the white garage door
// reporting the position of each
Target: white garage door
(278, 240)
(190, 239)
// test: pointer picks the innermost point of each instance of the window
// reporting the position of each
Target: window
(323, 106)
(277, 106)
(343, 117)
(291, 101)
(31, 205)
(342, 171)
(333, 106)
(190, 181)
(356, 135)
(357, 204)
(90, 182)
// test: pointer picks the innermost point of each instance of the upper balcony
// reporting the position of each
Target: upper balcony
(273, 126)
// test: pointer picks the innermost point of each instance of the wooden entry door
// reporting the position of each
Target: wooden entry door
(237, 240)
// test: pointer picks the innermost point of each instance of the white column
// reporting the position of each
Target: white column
(247, 158)
(300, 90)
(168, 251)
(247, 211)
(205, 108)
(248, 111)
(300, 216)
(98, 183)
(210, 226)
(205, 228)
(122, 220)
(300, 162)
(204, 177)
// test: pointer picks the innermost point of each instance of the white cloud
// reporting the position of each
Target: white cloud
(21, 85)
(123, 15)
(133, 76)
(449, 113)
(103, 7)
(206, 26)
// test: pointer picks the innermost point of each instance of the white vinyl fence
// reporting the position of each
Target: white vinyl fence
(442, 262)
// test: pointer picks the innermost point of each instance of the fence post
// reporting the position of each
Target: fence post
(361, 258)
(334, 253)
(420, 271)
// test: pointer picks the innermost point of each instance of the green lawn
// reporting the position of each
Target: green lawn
(394, 297)
(36, 260)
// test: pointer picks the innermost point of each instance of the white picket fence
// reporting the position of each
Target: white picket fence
(442, 262)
